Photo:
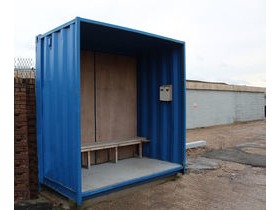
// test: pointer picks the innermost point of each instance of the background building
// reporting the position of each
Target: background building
(210, 103)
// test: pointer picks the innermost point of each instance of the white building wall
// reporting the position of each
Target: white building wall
(217, 107)
(249, 106)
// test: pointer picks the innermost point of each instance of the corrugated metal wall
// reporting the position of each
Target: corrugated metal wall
(210, 107)
(162, 122)
(58, 110)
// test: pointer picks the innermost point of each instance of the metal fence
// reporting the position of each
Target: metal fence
(24, 68)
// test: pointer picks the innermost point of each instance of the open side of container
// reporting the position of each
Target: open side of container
(97, 82)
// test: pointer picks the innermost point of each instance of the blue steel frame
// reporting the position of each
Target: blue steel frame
(150, 74)
(58, 109)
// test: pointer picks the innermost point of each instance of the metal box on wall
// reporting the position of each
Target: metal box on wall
(165, 93)
(159, 61)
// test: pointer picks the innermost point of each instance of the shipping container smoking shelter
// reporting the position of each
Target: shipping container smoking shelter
(110, 108)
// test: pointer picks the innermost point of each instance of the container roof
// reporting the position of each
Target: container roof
(106, 37)
(101, 36)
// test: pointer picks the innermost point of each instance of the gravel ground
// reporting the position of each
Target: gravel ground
(224, 136)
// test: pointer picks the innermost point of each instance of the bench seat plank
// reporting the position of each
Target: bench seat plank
(113, 144)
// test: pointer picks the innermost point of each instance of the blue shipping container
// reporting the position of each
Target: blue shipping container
(159, 63)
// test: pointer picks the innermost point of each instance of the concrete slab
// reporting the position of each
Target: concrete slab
(39, 203)
(202, 163)
(195, 144)
(106, 174)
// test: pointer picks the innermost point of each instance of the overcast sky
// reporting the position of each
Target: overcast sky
(225, 39)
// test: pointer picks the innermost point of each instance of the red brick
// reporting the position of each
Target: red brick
(16, 85)
(20, 110)
(20, 101)
(21, 93)
(20, 135)
(21, 155)
(23, 97)
(21, 176)
(20, 146)
(25, 148)
(22, 128)
(20, 117)
(20, 122)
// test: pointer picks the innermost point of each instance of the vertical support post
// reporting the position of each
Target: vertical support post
(116, 154)
(88, 159)
(140, 150)
(110, 154)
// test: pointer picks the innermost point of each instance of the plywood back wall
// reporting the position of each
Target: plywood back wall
(116, 101)
(115, 94)
(87, 97)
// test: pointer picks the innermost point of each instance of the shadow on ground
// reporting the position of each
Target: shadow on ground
(34, 204)
(245, 154)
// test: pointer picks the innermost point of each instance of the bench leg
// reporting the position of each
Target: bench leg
(88, 159)
(116, 154)
(140, 150)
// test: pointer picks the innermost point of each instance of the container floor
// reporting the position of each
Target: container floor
(106, 174)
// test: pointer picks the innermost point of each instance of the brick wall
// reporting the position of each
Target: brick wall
(25, 151)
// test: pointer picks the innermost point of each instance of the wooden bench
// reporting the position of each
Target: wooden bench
(87, 148)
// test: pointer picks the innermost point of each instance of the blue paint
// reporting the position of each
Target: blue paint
(78, 110)
(183, 114)
(160, 61)
(165, 110)
(162, 121)
(39, 107)
(68, 192)
(58, 84)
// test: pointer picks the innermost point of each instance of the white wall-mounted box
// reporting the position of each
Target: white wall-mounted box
(165, 93)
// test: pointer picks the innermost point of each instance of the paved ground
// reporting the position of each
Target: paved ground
(229, 173)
